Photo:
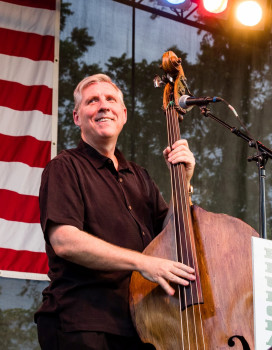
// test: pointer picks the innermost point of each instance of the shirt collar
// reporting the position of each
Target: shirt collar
(101, 161)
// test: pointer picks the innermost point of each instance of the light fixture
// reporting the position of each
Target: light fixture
(182, 5)
(249, 13)
(176, 2)
(215, 6)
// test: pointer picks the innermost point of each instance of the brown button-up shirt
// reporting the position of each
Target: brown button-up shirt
(80, 187)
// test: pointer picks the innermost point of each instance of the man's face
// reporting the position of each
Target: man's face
(101, 114)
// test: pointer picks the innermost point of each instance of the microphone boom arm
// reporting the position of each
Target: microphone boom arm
(261, 159)
(267, 152)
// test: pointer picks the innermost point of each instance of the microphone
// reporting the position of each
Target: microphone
(187, 101)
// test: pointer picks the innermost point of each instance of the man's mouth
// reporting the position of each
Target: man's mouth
(103, 119)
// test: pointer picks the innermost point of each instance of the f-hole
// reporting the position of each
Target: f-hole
(231, 342)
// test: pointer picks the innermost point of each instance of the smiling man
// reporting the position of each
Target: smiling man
(98, 213)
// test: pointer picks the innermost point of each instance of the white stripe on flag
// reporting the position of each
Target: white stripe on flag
(27, 19)
(21, 236)
(19, 183)
(20, 178)
(30, 72)
(22, 123)
(24, 275)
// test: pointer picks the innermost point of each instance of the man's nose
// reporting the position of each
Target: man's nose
(104, 105)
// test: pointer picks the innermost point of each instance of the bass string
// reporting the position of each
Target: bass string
(174, 199)
(182, 249)
(181, 201)
(188, 220)
(188, 237)
(188, 234)
(183, 209)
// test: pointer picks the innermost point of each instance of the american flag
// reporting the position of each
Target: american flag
(29, 31)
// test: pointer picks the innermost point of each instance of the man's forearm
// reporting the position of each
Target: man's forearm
(87, 250)
(84, 249)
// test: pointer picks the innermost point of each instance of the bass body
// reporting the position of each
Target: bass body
(223, 318)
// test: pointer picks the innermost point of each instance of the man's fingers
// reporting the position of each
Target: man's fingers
(180, 142)
(163, 270)
(183, 267)
(181, 273)
(178, 280)
(166, 286)
(181, 151)
(182, 157)
(173, 279)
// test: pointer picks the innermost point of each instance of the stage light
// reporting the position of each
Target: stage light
(183, 5)
(249, 13)
(215, 6)
(176, 2)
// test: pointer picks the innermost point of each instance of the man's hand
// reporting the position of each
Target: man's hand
(180, 153)
(163, 271)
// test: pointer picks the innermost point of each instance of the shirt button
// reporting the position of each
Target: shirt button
(120, 179)
(143, 233)
(109, 161)
(130, 207)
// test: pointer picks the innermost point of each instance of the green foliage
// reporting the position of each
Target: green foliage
(17, 328)
(72, 69)
(65, 12)
(228, 68)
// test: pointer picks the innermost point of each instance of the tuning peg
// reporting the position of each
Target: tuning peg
(158, 82)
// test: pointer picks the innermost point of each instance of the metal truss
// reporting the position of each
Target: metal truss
(189, 17)
(176, 14)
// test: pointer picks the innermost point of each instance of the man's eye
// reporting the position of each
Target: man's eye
(92, 100)
(110, 98)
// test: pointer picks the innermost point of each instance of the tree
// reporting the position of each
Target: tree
(71, 70)
(228, 68)
(18, 330)
(221, 157)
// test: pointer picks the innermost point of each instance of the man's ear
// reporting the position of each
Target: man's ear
(125, 116)
(77, 119)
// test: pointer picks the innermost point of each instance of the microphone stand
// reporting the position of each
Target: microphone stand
(261, 159)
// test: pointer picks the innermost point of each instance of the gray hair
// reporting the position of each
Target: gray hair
(96, 78)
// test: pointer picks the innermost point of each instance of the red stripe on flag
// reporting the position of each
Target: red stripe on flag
(33, 46)
(43, 4)
(23, 261)
(19, 207)
(26, 98)
(25, 149)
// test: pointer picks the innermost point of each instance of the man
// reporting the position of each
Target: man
(98, 212)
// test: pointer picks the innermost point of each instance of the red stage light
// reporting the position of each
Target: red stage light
(215, 6)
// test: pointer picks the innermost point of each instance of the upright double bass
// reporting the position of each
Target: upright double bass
(216, 310)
